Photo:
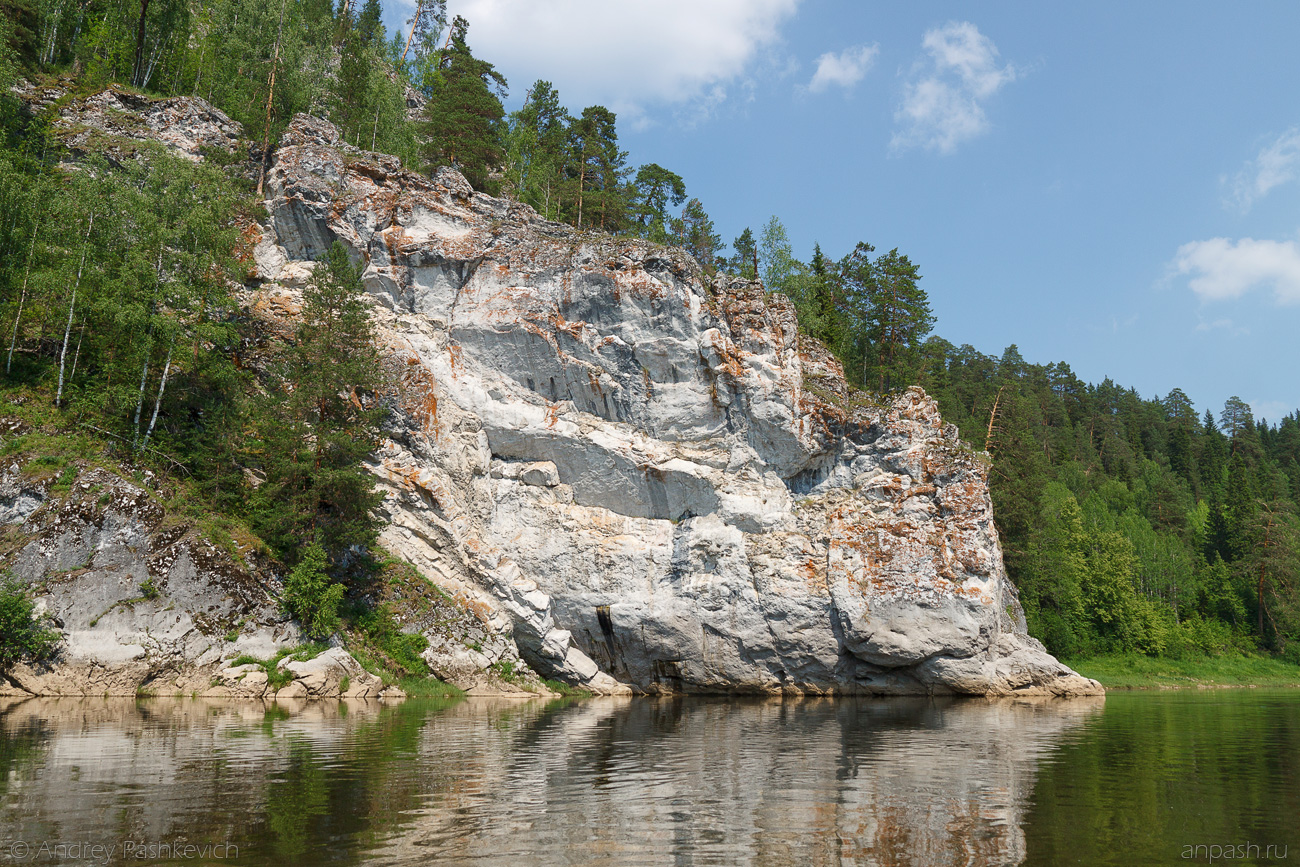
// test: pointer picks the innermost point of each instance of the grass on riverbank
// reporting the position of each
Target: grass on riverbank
(1145, 672)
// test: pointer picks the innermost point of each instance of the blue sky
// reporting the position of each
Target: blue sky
(1113, 185)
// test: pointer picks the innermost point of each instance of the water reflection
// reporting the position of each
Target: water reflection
(610, 781)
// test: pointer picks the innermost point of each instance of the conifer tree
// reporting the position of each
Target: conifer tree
(610, 171)
(695, 232)
(656, 189)
(463, 116)
(819, 306)
(597, 170)
(898, 318)
(320, 420)
(536, 151)
(744, 262)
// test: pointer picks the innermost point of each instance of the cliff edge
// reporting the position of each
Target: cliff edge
(650, 478)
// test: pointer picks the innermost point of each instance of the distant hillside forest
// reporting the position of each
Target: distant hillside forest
(1129, 524)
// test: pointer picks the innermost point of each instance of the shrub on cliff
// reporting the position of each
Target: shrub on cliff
(23, 634)
(311, 595)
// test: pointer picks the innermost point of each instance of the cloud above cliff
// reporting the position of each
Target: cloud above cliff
(1222, 270)
(629, 57)
(844, 69)
(943, 100)
(1278, 163)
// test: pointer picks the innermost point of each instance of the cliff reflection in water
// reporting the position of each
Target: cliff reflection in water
(610, 781)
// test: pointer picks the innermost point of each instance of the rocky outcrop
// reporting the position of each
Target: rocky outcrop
(651, 480)
(112, 122)
(332, 674)
(636, 478)
(146, 604)
(143, 602)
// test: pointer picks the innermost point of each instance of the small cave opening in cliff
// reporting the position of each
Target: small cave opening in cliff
(804, 481)
(668, 673)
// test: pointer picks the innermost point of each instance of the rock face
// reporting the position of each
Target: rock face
(143, 603)
(109, 122)
(146, 604)
(650, 479)
(638, 479)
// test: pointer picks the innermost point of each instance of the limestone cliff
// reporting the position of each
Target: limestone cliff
(640, 479)
(651, 479)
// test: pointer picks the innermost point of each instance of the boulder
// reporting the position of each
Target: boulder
(333, 673)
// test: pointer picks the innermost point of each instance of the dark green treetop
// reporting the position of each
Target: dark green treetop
(463, 116)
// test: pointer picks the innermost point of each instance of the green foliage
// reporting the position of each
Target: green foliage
(656, 188)
(463, 117)
(378, 635)
(695, 233)
(573, 169)
(1129, 671)
(777, 266)
(561, 688)
(537, 152)
(428, 687)
(311, 595)
(1127, 525)
(277, 677)
(319, 420)
(65, 479)
(418, 59)
(598, 170)
(23, 635)
(745, 260)
(10, 41)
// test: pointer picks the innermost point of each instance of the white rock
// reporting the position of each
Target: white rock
(540, 474)
(692, 513)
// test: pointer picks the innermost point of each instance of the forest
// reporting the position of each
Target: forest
(1129, 524)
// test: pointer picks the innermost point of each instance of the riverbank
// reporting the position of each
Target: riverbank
(1145, 672)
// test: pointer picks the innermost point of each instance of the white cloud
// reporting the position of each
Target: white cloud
(1224, 324)
(845, 69)
(1278, 163)
(626, 56)
(943, 103)
(1223, 269)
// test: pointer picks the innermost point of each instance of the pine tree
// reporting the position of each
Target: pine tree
(893, 312)
(463, 116)
(696, 234)
(614, 197)
(597, 169)
(817, 303)
(744, 262)
(656, 189)
(536, 151)
(421, 46)
(320, 421)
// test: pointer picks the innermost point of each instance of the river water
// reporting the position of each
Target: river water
(1140, 778)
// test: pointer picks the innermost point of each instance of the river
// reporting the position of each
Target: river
(1136, 778)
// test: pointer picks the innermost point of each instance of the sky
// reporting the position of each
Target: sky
(1112, 185)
